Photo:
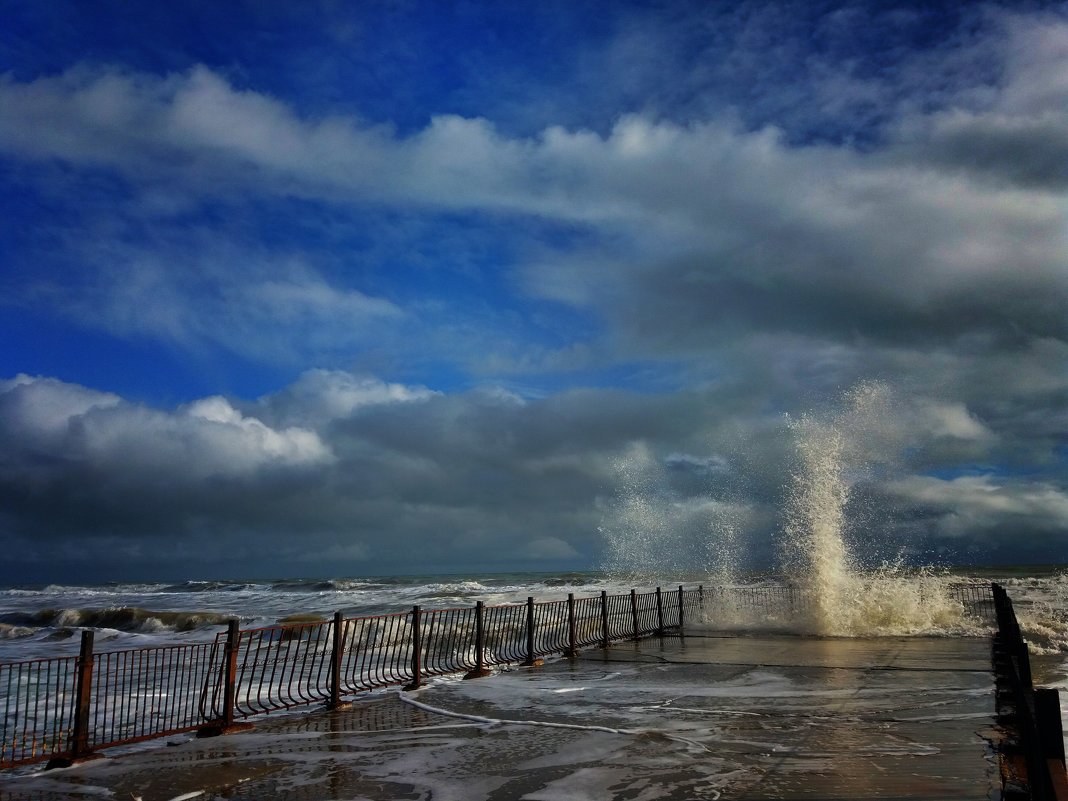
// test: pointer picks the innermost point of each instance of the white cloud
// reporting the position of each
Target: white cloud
(42, 408)
(704, 231)
(971, 505)
(319, 396)
(952, 420)
(206, 439)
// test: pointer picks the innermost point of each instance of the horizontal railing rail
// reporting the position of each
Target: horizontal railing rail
(65, 709)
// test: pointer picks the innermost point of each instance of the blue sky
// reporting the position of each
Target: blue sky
(330, 285)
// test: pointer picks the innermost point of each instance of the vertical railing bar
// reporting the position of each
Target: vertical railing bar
(337, 651)
(659, 613)
(572, 628)
(634, 611)
(230, 685)
(604, 618)
(245, 670)
(416, 649)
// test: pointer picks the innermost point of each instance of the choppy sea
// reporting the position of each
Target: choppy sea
(43, 620)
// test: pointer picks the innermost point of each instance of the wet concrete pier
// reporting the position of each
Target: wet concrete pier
(704, 717)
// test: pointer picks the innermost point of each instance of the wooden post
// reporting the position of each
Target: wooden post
(604, 619)
(531, 661)
(701, 599)
(480, 645)
(682, 599)
(634, 611)
(572, 633)
(417, 650)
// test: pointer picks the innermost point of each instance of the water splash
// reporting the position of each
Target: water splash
(834, 452)
(651, 530)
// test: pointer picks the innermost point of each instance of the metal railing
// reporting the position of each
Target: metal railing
(65, 709)
(763, 604)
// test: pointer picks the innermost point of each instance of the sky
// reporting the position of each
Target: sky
(332, 289)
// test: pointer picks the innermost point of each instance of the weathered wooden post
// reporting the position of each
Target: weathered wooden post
(701, 599)
(634, 611)
(337, 652)
(682, 598)
(479, 669)
(417, 650)
(572, 632)
(604, 619)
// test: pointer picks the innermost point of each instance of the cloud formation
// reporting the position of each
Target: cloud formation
(443, 328)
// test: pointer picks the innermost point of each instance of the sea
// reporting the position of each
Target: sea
(39, 621)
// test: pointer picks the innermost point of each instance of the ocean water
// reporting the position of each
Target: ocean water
(43, 621)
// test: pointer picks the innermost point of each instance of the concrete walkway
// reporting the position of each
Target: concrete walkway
(703, 717)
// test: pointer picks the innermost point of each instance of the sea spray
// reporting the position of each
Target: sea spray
(651, 529)
(834, 452)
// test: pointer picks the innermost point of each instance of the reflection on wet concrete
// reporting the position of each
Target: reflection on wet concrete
(704, 717)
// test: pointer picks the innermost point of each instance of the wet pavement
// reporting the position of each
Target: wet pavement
(703, 717)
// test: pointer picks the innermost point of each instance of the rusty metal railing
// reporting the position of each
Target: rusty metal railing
(65, 709)
(760, 604)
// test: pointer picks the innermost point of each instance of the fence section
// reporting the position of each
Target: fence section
(65, 709)
(766, 605)
(37, 713)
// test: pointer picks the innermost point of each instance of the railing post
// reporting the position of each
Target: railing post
(337, 652)
(604, 619)
(659, 614)
(572, 633)
(682, 598)
(701, 599)
(79, 738)
(225, 723)
(480, 645)
(417, 650)
(531, 660)
(230, 666)
(634, 611)
(78, 745)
